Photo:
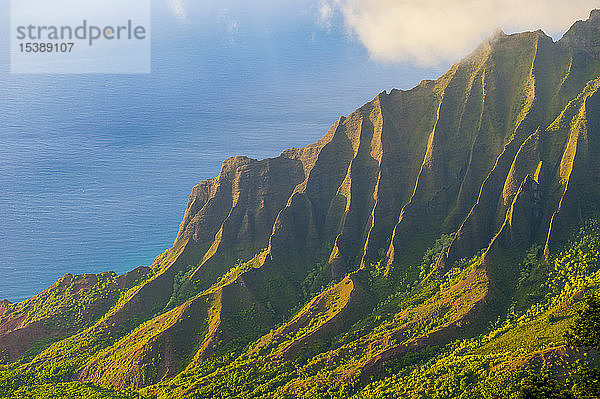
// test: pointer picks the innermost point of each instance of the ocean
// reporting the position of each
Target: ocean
(95, 170)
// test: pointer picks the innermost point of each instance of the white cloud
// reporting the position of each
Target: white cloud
(325, 14)
(428, 32)
(178, 9)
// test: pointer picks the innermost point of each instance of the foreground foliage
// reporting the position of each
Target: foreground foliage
(552, 300)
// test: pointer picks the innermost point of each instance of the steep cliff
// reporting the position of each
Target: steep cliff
(502, 153)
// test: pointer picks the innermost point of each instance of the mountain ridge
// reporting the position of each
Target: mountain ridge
(500, 153)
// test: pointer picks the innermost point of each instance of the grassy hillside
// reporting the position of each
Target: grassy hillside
(529, 337)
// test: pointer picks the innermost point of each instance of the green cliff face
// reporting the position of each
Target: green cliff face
(347, 266)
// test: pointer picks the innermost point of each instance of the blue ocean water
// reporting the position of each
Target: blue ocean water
(95, 170)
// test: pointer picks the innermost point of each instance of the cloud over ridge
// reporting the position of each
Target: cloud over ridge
(428, 32)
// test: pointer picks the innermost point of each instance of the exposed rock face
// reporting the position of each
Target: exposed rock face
(504, 150)
(448, 155)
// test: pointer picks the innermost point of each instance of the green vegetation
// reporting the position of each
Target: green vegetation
(316, 281)
(71, 390)
(587, 386)
(70, 303)
(586, 330)
(540, 386)
(492, 364)
(178, 297)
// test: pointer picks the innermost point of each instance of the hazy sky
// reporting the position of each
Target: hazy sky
(420, 32)
(412, 32)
